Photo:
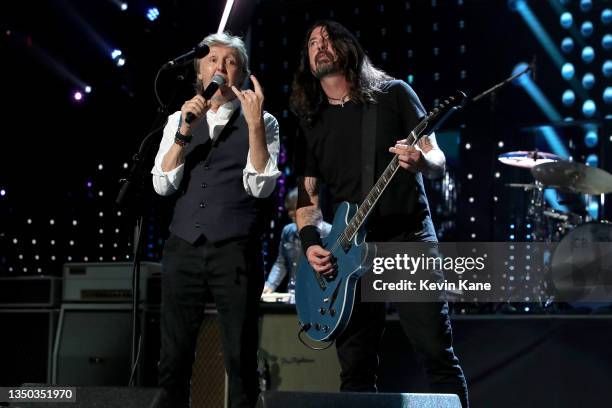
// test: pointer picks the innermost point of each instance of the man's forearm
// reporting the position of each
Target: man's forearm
(173, 158)
(435, 164)
(258, 147)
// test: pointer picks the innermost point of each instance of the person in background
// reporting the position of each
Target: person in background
(289, 248)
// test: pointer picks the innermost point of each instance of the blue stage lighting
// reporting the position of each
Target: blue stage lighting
(588, 54)
(523, 79)
(590, 138)
(152, 13)
(592, 160)
(586, 5)
(115, 54)
(586, 28)
(568, 98)
(589, 108)
(606, 41)
(593, 209)
(124, 6)
(606, 16)
(607, 95)
(568, 71)
(566, 20)
(567, 45)
(588, 80)
(606, 68)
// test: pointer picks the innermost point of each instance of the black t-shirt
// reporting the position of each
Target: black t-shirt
(330, 150)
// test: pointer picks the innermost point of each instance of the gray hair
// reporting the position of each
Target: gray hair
(231, 41)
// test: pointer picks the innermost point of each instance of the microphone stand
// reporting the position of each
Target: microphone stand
(132, 196)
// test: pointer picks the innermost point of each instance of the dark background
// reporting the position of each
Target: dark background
(52, 147)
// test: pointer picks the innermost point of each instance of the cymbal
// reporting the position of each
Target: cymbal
(527, 159)
(525, 186)
(574, 177)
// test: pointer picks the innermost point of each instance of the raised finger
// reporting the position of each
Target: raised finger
(256, 86)
(239, 94)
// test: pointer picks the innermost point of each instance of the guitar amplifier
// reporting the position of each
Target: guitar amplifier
(110, 282)
(30, 292)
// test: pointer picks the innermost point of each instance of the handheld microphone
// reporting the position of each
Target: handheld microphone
(199, 51)
(216, 82)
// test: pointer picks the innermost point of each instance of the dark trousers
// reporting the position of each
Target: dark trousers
(428, 329)
(233, 272)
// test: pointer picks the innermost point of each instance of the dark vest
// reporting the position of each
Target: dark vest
(212, 200)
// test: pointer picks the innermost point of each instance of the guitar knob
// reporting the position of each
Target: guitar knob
(321, 310)
(325, 328)
(317, 327)
(332, 312)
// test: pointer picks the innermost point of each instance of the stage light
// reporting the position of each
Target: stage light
(606, 41)
(586, 29)
(588, 54)
(152, 13)
(590, 138)
(606, 16)
(592, 160)
(123, 6)
(588, 80)
(566, 20)
(2, 192)
(88, 89)
(567, 45)
(115, 54)
(226, 12)
(589, 108)
(593, 209)
(567, 71)
(606, 68)
(77, 96)
(607, 95)
(586, 5)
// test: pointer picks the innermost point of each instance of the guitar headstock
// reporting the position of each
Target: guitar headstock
(455, 101)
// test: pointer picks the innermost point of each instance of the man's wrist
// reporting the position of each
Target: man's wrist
(309, 236)
(181, 139)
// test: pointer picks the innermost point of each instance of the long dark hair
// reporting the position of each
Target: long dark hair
(365, 80)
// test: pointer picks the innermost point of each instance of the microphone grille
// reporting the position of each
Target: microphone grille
(218, 79)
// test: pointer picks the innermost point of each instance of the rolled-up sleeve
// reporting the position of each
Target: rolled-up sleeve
(167, 182)
(262, 184)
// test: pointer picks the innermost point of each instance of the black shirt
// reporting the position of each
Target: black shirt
(330, 149)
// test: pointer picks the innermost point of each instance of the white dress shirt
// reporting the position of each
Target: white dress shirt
(255, 184)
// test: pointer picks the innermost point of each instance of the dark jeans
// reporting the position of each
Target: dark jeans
(429, 331)
(233, 272)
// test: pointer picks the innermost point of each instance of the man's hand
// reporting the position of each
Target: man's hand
(197, 106)
(252, 103)
(321, 260)
(410, 158)
(267, 290)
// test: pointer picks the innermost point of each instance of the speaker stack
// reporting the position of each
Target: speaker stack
(92, 345)
(28, 317)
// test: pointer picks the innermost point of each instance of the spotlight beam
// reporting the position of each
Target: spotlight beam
(225, 16)
(547, 43)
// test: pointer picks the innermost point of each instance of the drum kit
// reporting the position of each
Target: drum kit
(566, 177)
(569, 179)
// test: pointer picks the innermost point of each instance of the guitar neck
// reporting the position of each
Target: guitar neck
(372, 198)
(444, 110)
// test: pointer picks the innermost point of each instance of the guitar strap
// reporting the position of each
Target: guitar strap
(368, 147)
